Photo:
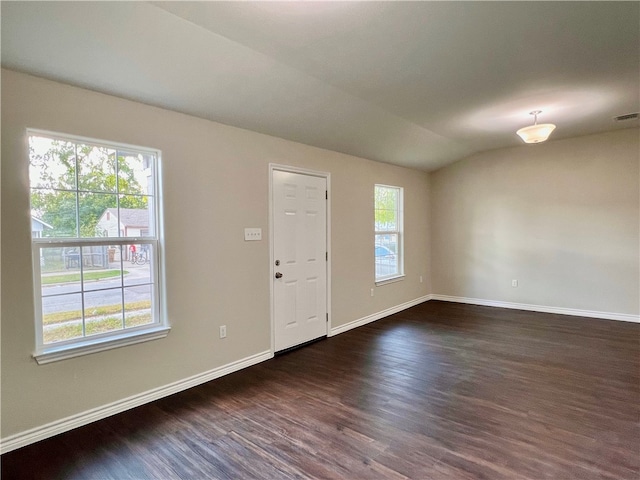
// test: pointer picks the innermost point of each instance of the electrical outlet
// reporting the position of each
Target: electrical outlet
(372, 292)
(514, 283)
(420, 278)
(223, 331)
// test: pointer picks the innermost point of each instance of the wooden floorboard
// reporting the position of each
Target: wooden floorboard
(438, 391)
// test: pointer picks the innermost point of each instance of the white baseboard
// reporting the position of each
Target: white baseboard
(540, 308)
(33, 435)
(21, 439)
(377, 316)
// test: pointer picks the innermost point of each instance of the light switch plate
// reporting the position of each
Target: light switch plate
(252, 234)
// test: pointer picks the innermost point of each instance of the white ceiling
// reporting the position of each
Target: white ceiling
(419, 84)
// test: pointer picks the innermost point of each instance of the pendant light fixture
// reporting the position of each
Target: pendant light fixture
(536, 133)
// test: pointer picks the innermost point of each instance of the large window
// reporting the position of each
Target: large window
(95, 244)
(388, 233)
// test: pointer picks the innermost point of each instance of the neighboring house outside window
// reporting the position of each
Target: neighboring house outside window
(388, 244)
(84, 194)
(38, 227)
(132, 222)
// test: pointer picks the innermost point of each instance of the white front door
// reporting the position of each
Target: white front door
(300, 258)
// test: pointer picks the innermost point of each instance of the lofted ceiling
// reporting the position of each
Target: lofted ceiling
(418, 84)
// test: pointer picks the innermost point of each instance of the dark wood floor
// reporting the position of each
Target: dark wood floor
(439, 391)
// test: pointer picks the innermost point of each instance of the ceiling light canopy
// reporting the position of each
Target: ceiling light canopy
(536, 133)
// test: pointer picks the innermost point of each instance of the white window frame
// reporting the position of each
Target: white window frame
(159, 328)
(399, 231)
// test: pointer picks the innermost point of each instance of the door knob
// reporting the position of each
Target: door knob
(278, 275)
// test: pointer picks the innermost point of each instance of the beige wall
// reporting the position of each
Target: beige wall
(215, 184)
(560, 217)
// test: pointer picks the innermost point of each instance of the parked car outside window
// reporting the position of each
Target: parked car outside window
(386, 261)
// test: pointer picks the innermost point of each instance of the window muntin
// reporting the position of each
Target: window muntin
(388, 215)
(98, 204)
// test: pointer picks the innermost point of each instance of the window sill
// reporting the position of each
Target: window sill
(397, 278)
(55, 353)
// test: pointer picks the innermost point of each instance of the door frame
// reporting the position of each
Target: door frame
(314, 173)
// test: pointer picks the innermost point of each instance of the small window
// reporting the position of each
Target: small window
(89, 294)
(388, 252)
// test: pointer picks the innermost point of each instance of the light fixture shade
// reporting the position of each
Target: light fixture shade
(536, 133)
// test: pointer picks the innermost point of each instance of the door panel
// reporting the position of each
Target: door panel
(300, 245)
